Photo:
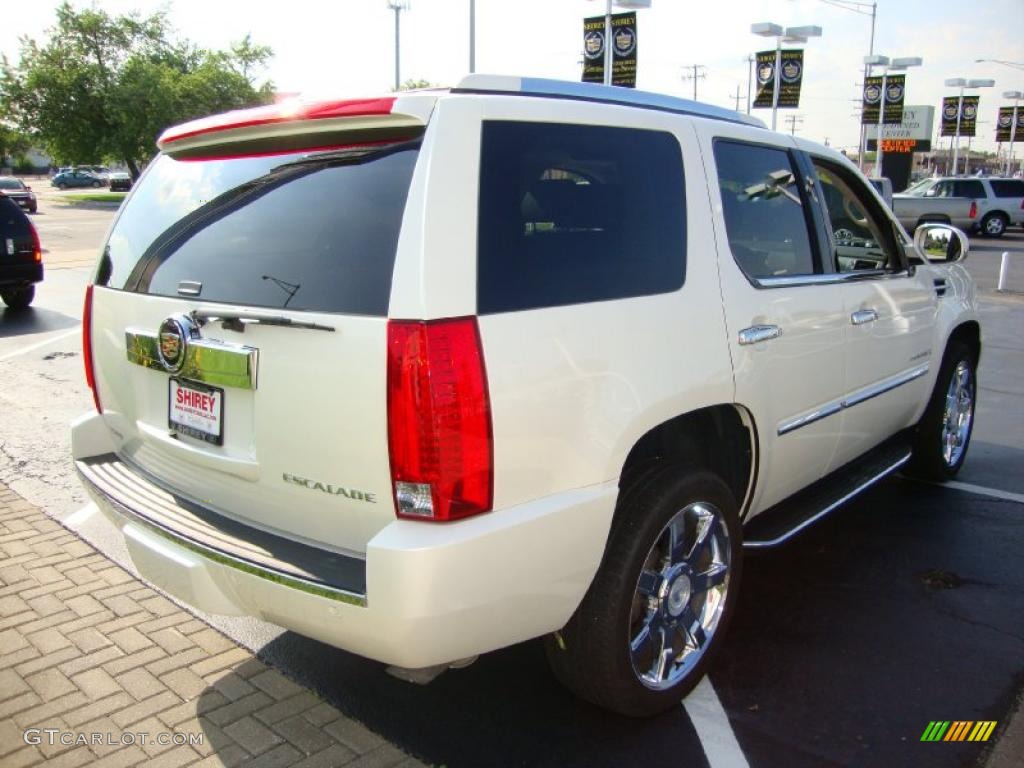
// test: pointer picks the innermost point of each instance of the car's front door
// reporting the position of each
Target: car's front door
(890, 308)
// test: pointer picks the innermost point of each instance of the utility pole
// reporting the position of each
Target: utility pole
(398, 6)
(793, 121)
(737, 98)
(750, 79)
(699, 73)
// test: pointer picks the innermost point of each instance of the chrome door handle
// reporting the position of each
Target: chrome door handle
(862, 316)
(756, 333)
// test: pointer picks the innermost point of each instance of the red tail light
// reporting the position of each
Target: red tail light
(439, 420)
(37, 247)
(974, 209)
(90, 376)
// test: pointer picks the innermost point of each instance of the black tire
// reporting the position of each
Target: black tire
(62, 185)
(933, 458)
(592, 655)
(19, 298)
(96, 184)
(994, 225)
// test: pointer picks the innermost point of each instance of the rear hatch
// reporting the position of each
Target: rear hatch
(240, 316)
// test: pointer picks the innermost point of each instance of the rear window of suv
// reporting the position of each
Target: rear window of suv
(577, 213)
(301, 231)
(1007, 187)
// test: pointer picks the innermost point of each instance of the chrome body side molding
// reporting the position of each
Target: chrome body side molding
(854, 398)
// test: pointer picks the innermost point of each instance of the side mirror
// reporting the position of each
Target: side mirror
(941, 243)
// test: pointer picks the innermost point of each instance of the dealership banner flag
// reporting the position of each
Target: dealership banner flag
(1008, 118)
(969, 115)
(949, 111)
(623, 49)
(789, 85)
(895, 90)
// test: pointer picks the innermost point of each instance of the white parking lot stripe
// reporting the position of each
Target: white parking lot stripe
(995, 493)
(713, 728)
(41, 344)
(79, 517)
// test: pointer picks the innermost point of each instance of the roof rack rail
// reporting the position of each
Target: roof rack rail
(606, 94)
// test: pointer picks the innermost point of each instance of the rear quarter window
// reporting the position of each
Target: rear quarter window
(1007, 187)
(300, 231)
(576, 213)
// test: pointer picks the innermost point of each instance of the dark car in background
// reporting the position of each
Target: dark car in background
(69, 179)
(120, 182)
(15, 189)
(21, 256)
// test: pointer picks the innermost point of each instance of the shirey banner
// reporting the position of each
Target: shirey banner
(949, 111)
(623, 49)
(1008, 118)
(969, 115)
(895, 92)
(789, 86)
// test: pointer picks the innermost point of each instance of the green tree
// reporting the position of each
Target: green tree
(106, 86)
(412, 85)
(13, 143)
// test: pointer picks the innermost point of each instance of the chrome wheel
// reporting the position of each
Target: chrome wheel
(956, 424)
(679, 596)
(995, 226)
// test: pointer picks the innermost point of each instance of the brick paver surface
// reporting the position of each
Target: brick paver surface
(89, 651)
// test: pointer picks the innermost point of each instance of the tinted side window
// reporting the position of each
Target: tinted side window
(1007, 187)
(577, 213)
(861, 234)
(968, 189)
(300, 231)
(765, 210)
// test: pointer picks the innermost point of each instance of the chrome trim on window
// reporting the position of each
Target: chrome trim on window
(828, 278)
(206, 360)
(852, 399)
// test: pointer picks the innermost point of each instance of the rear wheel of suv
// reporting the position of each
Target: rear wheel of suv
(994, 225)
(944, 432)
(19, 298)
(655, 614)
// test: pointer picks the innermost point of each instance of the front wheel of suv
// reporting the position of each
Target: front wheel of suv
(944, 432)
(19, 298)
(655, 613)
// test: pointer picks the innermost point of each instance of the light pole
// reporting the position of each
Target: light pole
(888, 65)
(1012, 64)
(961, 83)
(628, 4)
(398, 6)
(787, 35)
(861, 8)
(1016, 96)
(472, 36)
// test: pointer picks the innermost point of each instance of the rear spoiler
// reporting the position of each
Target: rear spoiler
(301, 125)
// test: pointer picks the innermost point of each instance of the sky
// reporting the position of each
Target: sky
(346, 47)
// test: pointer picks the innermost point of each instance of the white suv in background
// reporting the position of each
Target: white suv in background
(427, 375)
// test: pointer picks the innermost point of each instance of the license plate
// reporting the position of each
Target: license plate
(196, 410)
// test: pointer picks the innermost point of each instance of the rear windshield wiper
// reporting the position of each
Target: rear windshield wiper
(236, 321)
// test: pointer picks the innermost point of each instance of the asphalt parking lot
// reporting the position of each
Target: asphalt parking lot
(904, 607)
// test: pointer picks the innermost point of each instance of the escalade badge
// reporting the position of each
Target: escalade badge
(328, 488)
(172, 342)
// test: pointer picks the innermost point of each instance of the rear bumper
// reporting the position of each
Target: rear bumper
(20, 274)
(428, 594)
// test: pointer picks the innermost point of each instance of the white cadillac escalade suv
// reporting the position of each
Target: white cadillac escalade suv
(427, 375)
